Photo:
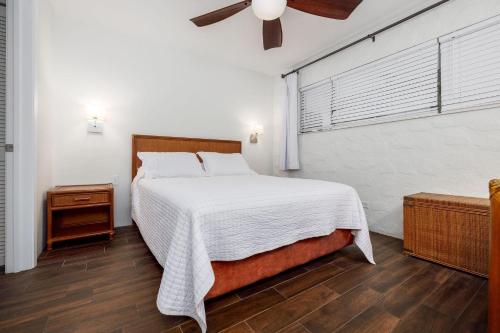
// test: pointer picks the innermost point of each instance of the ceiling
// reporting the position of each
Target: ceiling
(237, 40)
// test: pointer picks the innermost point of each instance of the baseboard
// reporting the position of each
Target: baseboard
(386, 234)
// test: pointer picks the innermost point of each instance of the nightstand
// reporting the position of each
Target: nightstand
(79, 211)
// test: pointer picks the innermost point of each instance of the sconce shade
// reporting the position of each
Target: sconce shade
(257, 129)
(95, 118)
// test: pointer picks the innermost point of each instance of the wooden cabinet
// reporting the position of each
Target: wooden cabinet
(79, 211)
(450, 230)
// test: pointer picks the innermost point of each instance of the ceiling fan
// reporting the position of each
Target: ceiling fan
(270, 11)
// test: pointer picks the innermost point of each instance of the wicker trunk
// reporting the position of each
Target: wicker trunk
(450, 230)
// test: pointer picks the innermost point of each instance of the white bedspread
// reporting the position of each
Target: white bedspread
(189, 222)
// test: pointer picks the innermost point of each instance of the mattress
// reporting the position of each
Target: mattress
(190, 222)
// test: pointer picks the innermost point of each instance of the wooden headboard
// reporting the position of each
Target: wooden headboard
(151, 143)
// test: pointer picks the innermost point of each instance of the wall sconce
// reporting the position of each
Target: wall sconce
(256, 131)
(95, 119)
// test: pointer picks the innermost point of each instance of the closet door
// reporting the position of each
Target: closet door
(3, 46)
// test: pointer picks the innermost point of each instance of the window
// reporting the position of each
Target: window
(471, 67)
(456, 72)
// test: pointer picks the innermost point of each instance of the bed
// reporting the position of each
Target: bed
(213, 235)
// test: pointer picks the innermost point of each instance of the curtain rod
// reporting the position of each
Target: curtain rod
(369, 36)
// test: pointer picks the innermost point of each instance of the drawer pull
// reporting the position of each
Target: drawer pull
(82, 199)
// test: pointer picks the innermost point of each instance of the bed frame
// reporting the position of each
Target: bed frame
(232, 275)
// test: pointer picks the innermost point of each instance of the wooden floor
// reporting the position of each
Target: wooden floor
(111, 287)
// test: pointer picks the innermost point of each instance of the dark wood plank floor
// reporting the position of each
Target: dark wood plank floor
(111, 287)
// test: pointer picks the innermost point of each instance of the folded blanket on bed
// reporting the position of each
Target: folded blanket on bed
(189, 222)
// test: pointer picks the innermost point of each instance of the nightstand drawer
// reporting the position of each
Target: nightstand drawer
(62, 200)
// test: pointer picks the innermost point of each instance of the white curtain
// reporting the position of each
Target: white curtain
(289, 145)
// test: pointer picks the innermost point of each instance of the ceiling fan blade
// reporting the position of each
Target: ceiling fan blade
(221, 14)
(335, 9)
(272, 33)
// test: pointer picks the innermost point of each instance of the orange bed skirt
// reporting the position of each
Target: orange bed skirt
(232, 275)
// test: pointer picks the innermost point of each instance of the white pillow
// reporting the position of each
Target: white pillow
(165, 165)
(217, 164)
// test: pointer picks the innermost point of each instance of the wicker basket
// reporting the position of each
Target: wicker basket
(449, 230)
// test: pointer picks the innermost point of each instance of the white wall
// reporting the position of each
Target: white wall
(454, 154)
(147, 89)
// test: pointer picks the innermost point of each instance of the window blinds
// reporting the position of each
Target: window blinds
(471, 67)
(456, 72)
(316, 102)
(403, 84)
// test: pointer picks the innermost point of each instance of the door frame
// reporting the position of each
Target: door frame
(21, 165)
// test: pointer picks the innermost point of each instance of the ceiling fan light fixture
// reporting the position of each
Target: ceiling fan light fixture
(268, 10)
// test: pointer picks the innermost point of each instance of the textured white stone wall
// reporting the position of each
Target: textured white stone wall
(455, 154)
